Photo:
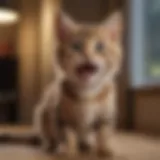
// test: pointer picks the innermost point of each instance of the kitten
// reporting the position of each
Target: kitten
(78, 111)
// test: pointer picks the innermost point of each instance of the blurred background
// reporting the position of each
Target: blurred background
(28, 43)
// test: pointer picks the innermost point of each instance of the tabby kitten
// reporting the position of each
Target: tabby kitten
(78, 111)
(90, 57)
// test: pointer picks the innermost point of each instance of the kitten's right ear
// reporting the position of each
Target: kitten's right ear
(115, 25)
(66, 26)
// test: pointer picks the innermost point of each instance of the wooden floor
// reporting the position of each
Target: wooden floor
(126, 146)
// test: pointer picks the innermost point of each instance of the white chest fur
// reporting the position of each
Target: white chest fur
(86, 111)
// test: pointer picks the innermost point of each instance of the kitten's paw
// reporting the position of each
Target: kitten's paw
(49, 147)
(64, 150)
(84, 147)
(71, 152)
(103, 152)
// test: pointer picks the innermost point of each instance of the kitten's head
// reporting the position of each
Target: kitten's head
(90, 53)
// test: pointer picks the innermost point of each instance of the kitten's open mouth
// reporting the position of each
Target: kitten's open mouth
(86, 70)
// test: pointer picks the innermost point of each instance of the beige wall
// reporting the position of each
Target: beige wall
(91, 10)
(83, 10)
(48, 41)
(27, 47)
(8, 33)
(35, 49)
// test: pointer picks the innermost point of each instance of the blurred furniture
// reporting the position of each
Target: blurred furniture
(144, 110)
(8, 90)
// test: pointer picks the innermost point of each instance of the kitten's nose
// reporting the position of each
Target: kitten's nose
(88, 57)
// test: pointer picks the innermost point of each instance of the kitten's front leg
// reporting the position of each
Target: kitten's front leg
(103, 134)
(70, 144)
(87, 141)
(48, 129)
(106, 125)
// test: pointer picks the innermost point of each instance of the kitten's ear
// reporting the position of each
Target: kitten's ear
(66, 26)
(114, 25)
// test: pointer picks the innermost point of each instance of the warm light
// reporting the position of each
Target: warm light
(8, 16)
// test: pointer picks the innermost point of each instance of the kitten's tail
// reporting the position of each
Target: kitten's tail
(20, 138)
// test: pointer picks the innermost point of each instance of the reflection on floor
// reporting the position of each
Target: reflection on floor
(126, 146)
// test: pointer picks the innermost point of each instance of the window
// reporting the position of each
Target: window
(144, 43)
(152, 32)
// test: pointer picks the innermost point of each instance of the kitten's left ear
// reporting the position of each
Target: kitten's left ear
(114, 26)
(65, 26)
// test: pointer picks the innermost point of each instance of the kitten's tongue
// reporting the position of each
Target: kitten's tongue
(86, 71)
(85, 75)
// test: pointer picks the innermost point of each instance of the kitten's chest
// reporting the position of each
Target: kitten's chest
(82, 112)
(79, 113)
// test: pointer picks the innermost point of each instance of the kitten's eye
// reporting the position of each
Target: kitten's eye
(76, 46)
(99, 47)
